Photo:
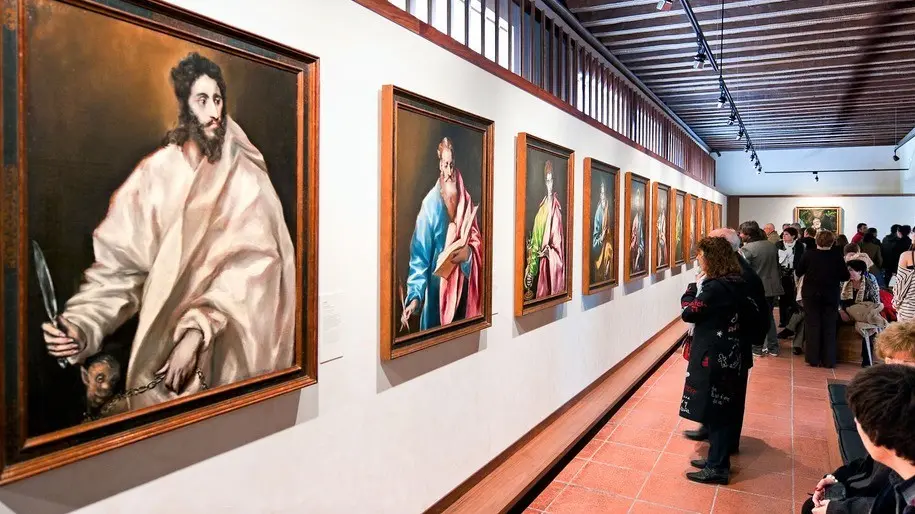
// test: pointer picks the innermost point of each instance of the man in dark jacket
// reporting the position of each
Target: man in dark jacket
(758, 296)
(880, 397)
(763, 258)
(865, 478)
(888, 247)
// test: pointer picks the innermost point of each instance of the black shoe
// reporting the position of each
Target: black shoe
(774, 352)
(797, 351)
(698, 463)
(697, 435)
(759, 351)
(709, 476)
(785, 334)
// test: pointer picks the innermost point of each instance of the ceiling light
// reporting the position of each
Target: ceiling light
(747, 147)
(699, 60)
(732, 119)
(753, 156)
(740, 133)
(895, 157)
(722, 99)
(664, 5)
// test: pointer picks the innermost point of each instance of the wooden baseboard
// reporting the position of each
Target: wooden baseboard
(501, 483)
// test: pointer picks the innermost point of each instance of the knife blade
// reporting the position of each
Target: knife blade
(46, 285)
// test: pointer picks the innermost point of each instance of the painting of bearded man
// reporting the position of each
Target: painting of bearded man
(195, 242)
(438, 285)
(167, 197)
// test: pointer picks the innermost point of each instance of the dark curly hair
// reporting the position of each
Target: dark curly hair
(182, 77)
(882, 399)
(720, 258)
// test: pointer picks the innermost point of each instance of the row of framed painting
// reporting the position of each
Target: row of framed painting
(160, 272)
(436, 224)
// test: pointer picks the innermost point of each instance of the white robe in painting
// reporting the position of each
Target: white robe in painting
(204, 249)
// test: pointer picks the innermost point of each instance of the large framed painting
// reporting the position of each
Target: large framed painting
(436, 223)
(637, 232)
(159, 225)
(825, 218)
(693, 228)
(679, 248)
(544, 183)
(600, 235)
(660, 227)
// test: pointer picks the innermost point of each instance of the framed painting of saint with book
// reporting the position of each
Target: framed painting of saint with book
(436, 223)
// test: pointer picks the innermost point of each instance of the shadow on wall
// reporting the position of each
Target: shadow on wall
(91, 480)
(393, 373)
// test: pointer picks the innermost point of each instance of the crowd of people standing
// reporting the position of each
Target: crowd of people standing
(817, 279)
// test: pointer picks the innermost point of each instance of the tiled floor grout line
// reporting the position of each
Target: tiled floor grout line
(550, 504)
(793, 452)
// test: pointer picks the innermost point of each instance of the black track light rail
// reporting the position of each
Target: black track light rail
(707, 50)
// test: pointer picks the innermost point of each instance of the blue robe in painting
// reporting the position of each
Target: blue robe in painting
(427, 243)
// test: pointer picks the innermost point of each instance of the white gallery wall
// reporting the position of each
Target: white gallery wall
(877, 211)
(737, 177)
(393, 437)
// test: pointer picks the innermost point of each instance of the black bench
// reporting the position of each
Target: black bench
(849, 442)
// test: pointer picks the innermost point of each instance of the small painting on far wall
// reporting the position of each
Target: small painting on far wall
(820, 218)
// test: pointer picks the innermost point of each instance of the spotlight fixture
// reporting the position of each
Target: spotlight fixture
(759, 171)
(664, 5)
(699, 60)
(747, 147)
(753, 156)
(740, 133)
(895, 157)
(732, 119)
(816, 177)
(722, 99)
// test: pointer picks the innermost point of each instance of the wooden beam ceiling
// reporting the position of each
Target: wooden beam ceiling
(804, 73)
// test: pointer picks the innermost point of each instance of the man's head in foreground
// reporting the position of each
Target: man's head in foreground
(882, 399)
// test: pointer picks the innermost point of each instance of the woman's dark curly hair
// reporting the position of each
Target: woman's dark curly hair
(720, 258)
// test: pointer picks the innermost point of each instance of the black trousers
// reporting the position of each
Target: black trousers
(820, 327)
(787, 303)
(724, 435)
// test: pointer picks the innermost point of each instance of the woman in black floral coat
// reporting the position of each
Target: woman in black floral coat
(727, 321)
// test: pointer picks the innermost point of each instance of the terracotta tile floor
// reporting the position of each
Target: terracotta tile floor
(636, 463)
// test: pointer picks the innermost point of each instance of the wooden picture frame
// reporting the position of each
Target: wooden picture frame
(680, 227)
(661, 201)
(533, 156)
(33, 441)
(596, 274)
(808, 216)
(701, 221)
(407, 201)
(710, 223)
(636, 266)
(692, 227)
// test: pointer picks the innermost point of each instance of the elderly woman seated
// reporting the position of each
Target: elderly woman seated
(860, 303)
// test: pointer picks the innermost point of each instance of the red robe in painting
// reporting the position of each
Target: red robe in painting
(452, 288)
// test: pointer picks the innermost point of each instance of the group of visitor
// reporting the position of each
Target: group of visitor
(816, 282)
